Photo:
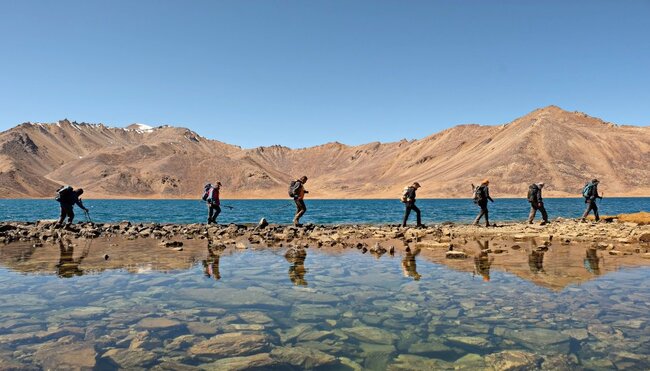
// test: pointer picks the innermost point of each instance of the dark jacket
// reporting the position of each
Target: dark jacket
(537, 196)
(71, 198)
(410, 194)
(484, 194)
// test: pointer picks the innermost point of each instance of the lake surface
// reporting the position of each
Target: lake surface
(148, 306)
(319, 211)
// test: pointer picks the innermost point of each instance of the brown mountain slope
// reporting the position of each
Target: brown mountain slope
(563, 149)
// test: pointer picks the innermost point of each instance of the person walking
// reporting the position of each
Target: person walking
(67, 198)
(297, 192)
(536, 203)
(590, 193)
(211, 197)
(408, 198)
(481, 197)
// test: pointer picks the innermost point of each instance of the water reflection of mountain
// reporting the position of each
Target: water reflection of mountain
(553, 266)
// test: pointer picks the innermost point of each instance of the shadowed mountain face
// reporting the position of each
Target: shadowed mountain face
(563, 149)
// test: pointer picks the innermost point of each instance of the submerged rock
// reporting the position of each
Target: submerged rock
(157, 323)
(513, 360)
(302, 357)
(231, 344)
(370, 334)
(75, 356)
(255, 361)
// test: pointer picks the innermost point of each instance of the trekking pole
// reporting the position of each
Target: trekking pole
(88, 216)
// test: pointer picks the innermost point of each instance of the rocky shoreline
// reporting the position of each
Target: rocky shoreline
(378, 239)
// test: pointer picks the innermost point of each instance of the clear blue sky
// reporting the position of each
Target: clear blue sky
(301, 73)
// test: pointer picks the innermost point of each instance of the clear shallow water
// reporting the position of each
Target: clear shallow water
(360, 310)
(319, 211)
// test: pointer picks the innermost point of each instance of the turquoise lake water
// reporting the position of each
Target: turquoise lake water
(340, 311)
(319, 211)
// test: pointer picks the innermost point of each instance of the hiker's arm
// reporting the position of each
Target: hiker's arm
(487, 193)
(81, 205)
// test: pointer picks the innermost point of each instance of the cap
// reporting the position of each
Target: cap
(595, 181)
(417, 184)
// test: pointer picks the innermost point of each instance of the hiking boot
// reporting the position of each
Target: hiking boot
(543, 223)
(420, 226)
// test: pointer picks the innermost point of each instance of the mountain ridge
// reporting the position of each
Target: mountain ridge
(563, 149)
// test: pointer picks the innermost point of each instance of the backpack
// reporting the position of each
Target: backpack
(62, 192)
(532, 193)
(404, 196)
(477, 193)
(206, 190)
(588, 190)
(293, 188)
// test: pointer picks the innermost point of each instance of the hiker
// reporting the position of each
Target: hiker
(481, 197)
(67, 198)
(536, 203)
(211, 197)
(297, 192)
(590, 193)
(408, 198)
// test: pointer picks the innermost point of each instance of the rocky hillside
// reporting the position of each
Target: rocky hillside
(563, 149)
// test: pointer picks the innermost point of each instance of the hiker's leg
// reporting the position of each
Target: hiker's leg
(542, 209)
(480, 215)
(417, 213)
(210, 212)
(407, 212)
(217, 211)
(70, 212)
(301, 209)
(584, 215)
(595, 208)
(531, 214)
(486, 213)
(62, 215)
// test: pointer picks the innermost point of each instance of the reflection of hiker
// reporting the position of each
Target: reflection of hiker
(592, 262)
(536, 261)
(297, 192)
(536, 203)
(211, 265)
(483, 261)
(297, 269)
(590, 193)
(67, 198)
(409, 266)
(68, 266)
(481, 197)
(211, 196)
(408, 198)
